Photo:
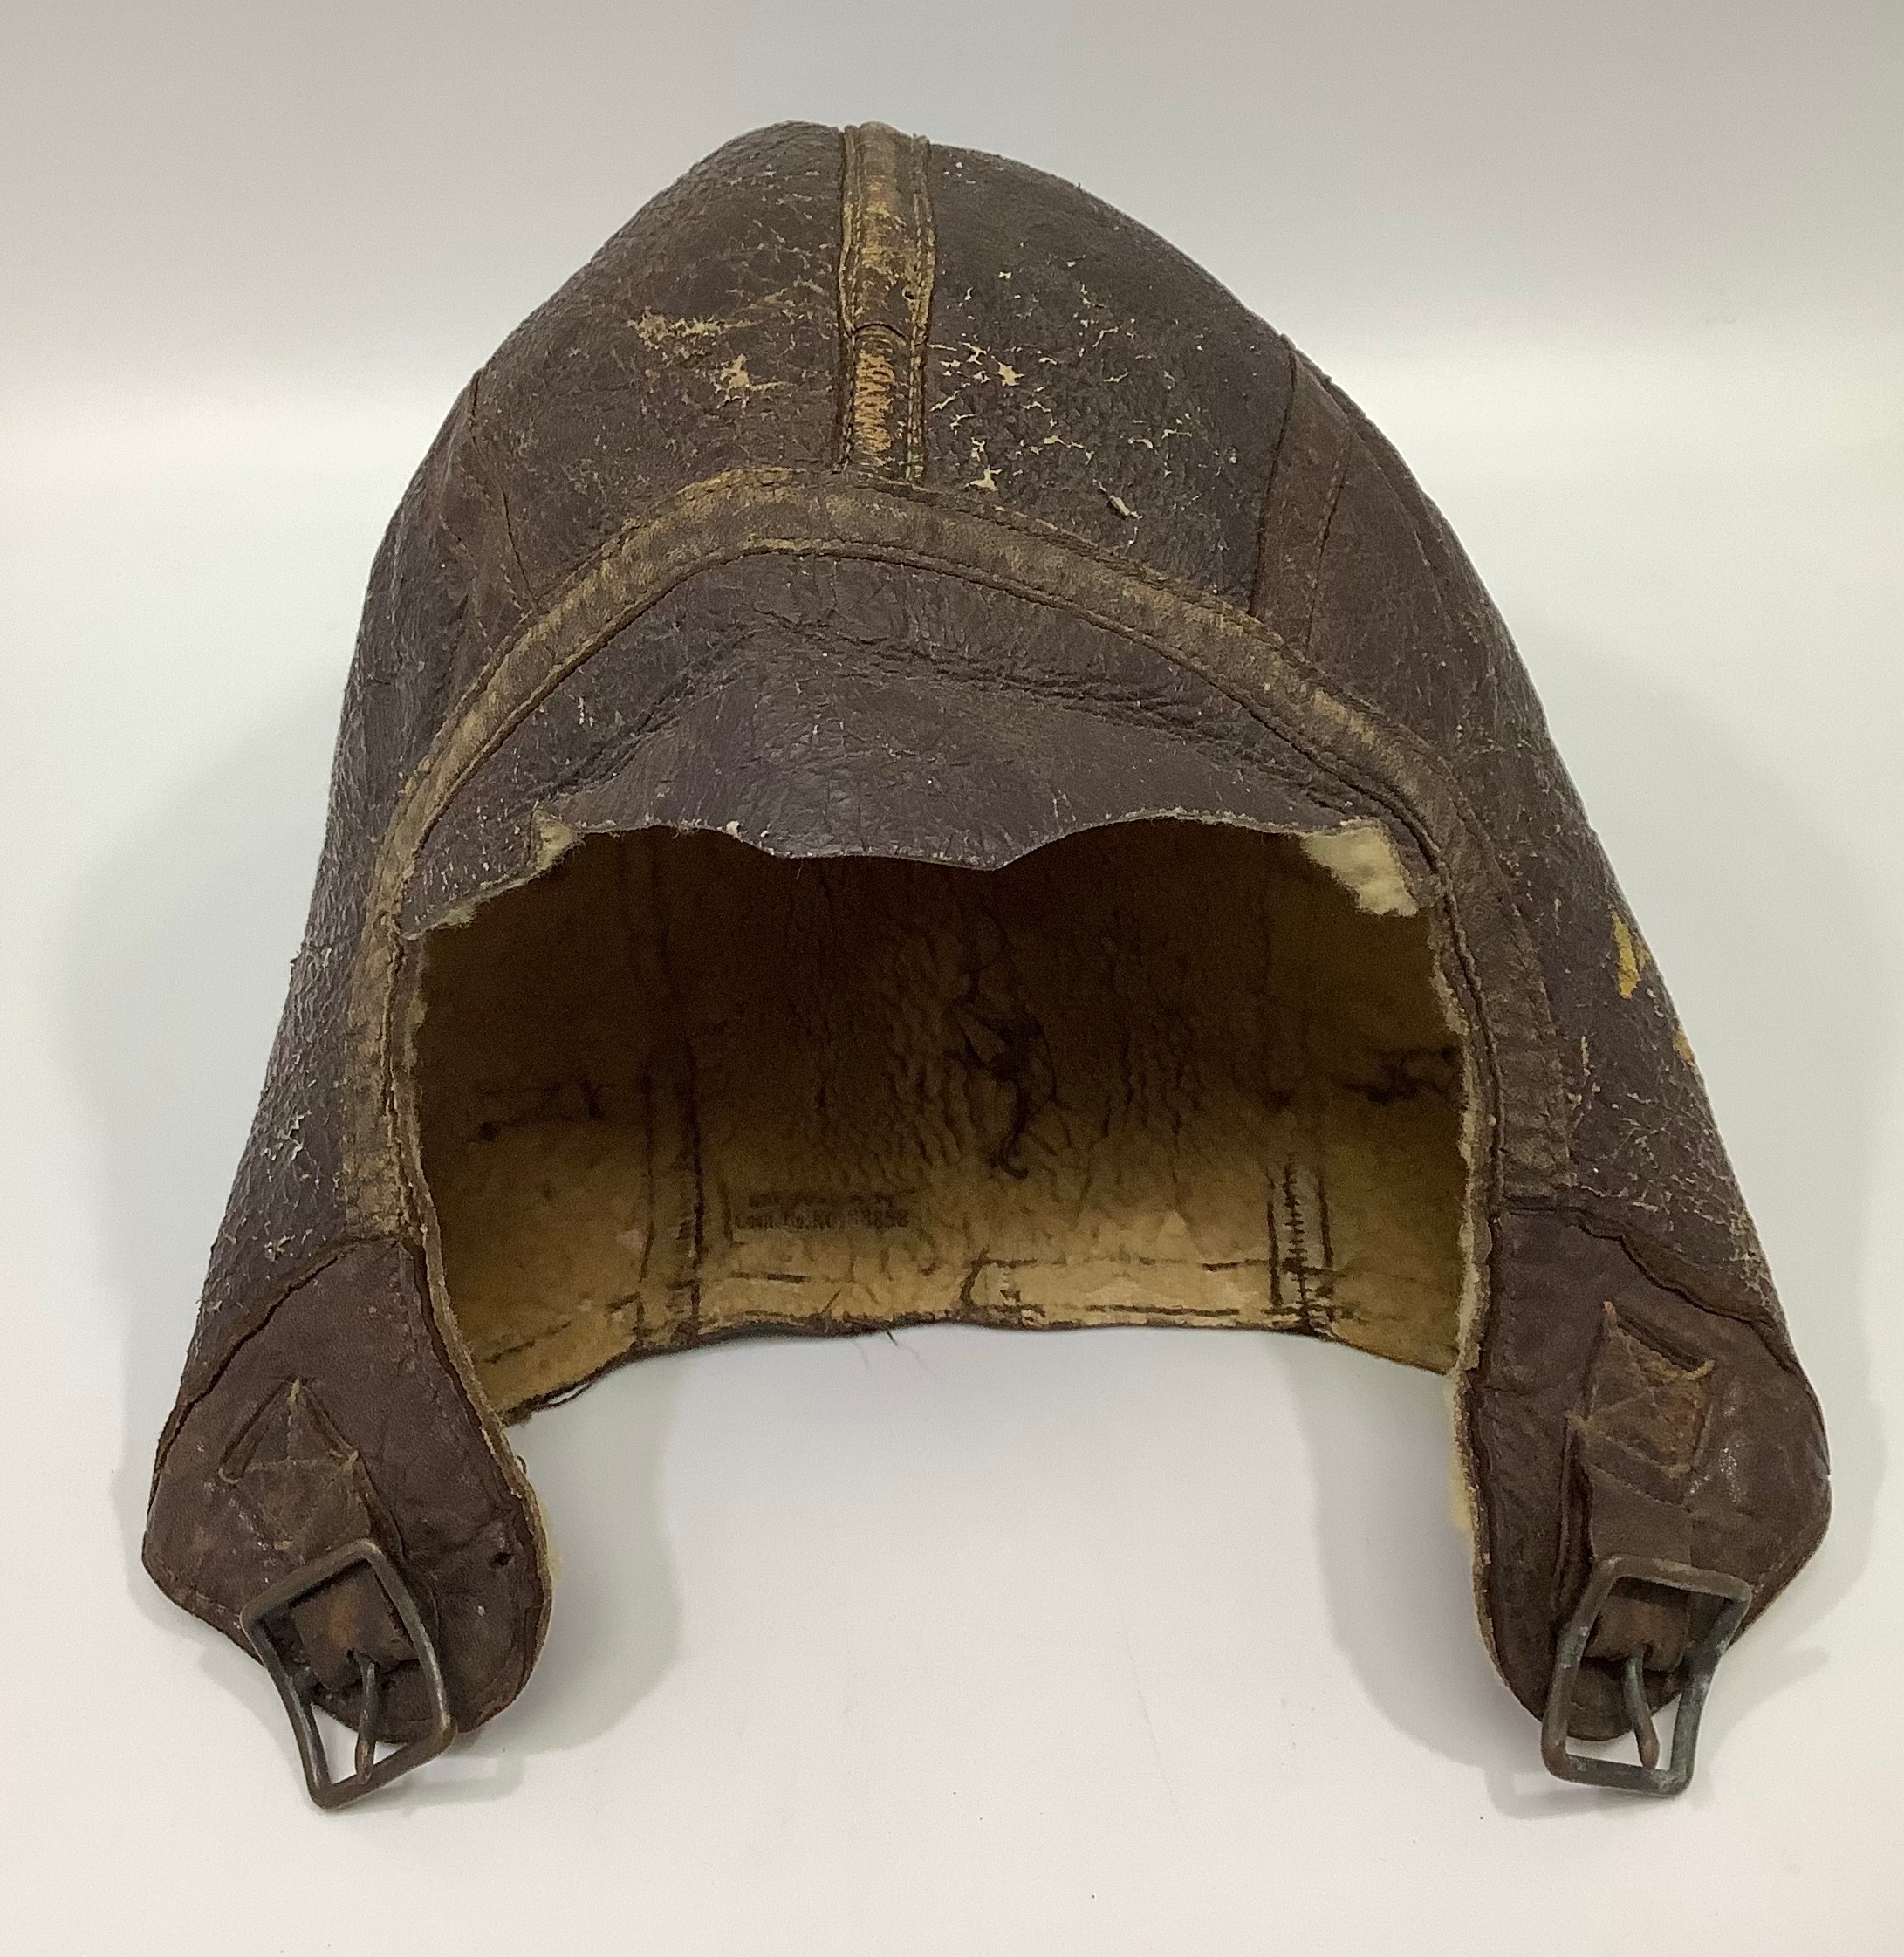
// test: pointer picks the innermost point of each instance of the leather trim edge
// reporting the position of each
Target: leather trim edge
(806, 512)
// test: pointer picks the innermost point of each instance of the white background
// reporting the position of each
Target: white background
(1116, 1640)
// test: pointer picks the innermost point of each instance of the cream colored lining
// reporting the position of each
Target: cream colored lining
(1165, 1072)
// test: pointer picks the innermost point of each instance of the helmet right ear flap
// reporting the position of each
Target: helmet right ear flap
(1628, 1395)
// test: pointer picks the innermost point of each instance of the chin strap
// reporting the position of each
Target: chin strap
(346, 1627)
(1648, 1621)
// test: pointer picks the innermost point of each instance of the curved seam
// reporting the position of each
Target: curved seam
(248, 1328)
(1386, 794)
(489, 481)
(714, 679)
(831, 537)
(1601, 1223)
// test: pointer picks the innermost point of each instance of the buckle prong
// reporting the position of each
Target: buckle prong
(1633, 1689)
(297, 1684)
(369, 1716)
(1735, 1598)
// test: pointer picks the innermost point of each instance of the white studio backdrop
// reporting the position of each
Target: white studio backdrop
(956, 1641)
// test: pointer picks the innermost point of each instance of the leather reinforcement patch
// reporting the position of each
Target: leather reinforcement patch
(303, 1487)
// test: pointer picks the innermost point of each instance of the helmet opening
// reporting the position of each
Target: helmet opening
(1163, 1072)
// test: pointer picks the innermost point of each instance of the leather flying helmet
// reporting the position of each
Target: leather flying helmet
(908, 759)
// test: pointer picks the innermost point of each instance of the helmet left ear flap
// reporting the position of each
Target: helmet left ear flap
(333, 1502)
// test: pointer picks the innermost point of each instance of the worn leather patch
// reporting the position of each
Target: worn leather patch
(1644, 1402)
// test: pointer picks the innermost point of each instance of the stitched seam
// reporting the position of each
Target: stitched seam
(1214, 609)
(244, 1330)
(489, 483)
(1378, 789)
(1267, 512)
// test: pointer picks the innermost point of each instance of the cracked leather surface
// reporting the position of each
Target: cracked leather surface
(1082, 382)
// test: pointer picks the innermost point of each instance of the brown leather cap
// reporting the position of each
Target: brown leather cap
(909, 759)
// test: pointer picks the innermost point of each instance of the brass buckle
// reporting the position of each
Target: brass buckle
(1700, 1661)
(297, 1684)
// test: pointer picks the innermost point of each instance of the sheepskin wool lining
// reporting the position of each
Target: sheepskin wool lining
(1165, 1072)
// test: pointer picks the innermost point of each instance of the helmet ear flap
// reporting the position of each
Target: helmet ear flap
(340, 1420)
(1621, 1430)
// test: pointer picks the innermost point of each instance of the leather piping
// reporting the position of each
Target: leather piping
(810, 511)
(885, 270)
(1306, 480)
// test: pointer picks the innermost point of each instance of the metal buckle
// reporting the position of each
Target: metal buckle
(297, 1685)
(1648, 1777)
